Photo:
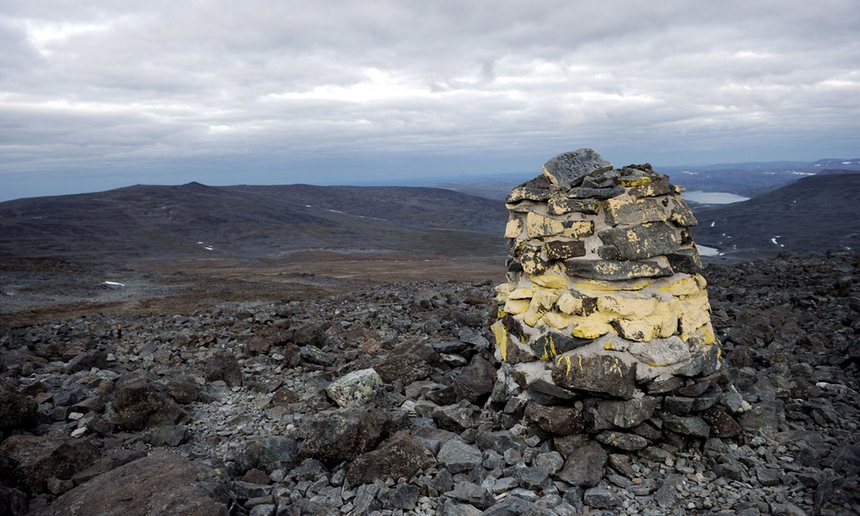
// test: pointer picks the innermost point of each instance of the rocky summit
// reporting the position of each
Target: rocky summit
(396, 398)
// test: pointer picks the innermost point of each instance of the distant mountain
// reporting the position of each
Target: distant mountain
(267, 222)
(813, 214)
(745, 179)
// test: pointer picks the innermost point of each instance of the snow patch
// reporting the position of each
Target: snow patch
(334, 211)
(307, 205)
(713, 223)
(208, 248)
(114, 283)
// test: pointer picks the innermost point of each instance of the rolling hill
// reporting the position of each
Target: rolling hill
(195, 220)
(813, 214)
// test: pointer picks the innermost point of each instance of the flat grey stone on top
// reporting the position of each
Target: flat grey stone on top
(568, 169)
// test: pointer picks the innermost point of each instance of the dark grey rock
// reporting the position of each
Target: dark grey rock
(162, 483)
(668, 490)
(315, 355)
(139, 404)
(600, 498)
(623, 441)
(267, 454)
(458, 456)
(686, 260)
(639, 242)
(616, 270)
(600, 373)
(767, 476)
(551, 462)
(222, 366)
(721, 423)
(563, 249)
(764, 416)
(585, 466)
(531, 477)
(87, 360)
(457, 418)
(558, 420)
(170, 435)
(12, 501)
(537, 189)
(343, 434)
(515, 506)
(365, 499)
(472, 494)
(400, 456)
(690, 425)
(554, 343)
(16, 410)
(678, 405)
(404, 496)
(475, 381)
(594, 193)
(559, 205)
(606, 414)
(499, 441)
(568, 169)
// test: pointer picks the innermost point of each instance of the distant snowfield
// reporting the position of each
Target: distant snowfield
(713, 197)
(114, 283)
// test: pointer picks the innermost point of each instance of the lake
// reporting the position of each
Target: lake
(713, 197)
(707, 251)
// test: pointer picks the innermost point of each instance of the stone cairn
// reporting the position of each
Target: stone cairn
(604, 323)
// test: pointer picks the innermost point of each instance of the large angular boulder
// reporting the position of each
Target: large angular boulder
(343, 434)
(160, 484)
(16, 410)
(139, 404)
(29, 460)
(400, 456)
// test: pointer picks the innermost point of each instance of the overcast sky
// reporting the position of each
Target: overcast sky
(100, 94)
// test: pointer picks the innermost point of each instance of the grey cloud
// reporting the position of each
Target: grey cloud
(290, 84)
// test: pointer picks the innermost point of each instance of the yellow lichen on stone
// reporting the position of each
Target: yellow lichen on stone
(627, 306)
(549, 281)
(546, 297)
(501, 334)
(685, 286)
(504, 288)
(566, 360)
(549, 351)
(516, 306)
(591, 327)
(538, 226)
(694, 311)
(634, 182)
(703, 283)
(595, 286)
(557, 320)
(569, 304)
(533, 316)
(579, 229)
(640, 330)
(666, 317)
(514, 228)
(521, 293)
(708, 335)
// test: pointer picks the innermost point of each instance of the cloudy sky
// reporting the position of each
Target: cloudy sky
(100, 94)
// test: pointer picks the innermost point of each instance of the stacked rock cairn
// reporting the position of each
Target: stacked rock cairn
(604, 322)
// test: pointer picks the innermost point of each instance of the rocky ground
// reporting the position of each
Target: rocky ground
(384, 399)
